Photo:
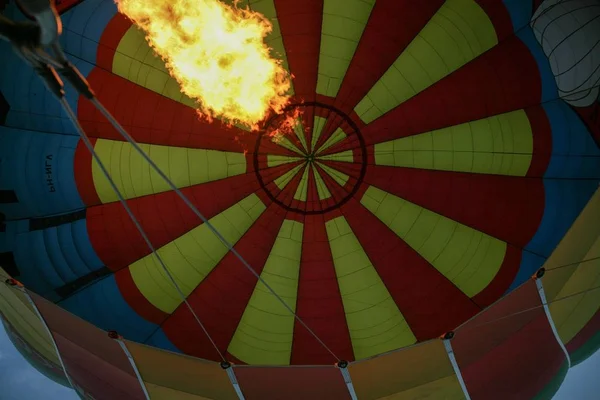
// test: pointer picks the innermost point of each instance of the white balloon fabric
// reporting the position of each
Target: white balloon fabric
(569, 33)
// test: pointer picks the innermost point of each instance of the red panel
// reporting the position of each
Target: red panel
(505, 207)
(163, 216)
(109, 41)
(221, 298)
(430, 303)
(152, 118)
(136, 300)
(542, 141)
(382, 41)
(63, 6)
(291, 383)
(319, 302)
(300, 25)
(508, 351)
(500, 17)
(93, 361)
(504, 79)
(83, 174)
(585, 334)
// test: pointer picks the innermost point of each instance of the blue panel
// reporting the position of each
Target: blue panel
(549, 89)
(27, 158)
(66, 243)
(574, 152)
(565, 199)
(159, 339)
(102, 304)
(55, 254)
(83, 245)
(530, 263)
(520, 12)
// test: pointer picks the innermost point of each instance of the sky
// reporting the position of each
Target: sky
(20, 381)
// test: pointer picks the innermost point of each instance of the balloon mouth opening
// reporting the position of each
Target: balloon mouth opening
(314, 165)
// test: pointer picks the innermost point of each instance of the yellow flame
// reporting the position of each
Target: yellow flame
(217, 55)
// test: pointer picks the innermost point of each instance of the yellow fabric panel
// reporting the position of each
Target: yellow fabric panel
(468, 258)
(286, 143)
(338, 176)
(459, 32)
(176, 376)
(322, 189)
(573, 248)
(302, 190)
(299, 131)
(342, 27)
(265, 332)
(375, 323)
(192, 256)
(574, 312)
(284, 179)
(135, 177)
(135, 61)
(274, 160)
(336, 137)
(447, 388)
(344, 156)
(501, 144)
(164, 393)
(319, 124)
(408, 372)
(19, 313)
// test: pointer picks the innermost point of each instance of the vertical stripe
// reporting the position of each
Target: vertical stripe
(540, 288)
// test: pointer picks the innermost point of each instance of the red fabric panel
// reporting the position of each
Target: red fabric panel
(152, 118)
(382, 41)
(109, 41)
(63, 6)
(83, 174)
(136, 300)
(319, 302)
(500, 17)
(93, 360)
(300, 26)
(505, 207)
(509, 350)
(291, 383)
(589, 330)
(221, 298)
(163, 216)
(92, 375)
(542, 141)
(429, 302)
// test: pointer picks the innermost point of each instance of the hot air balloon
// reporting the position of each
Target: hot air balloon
(428, 228)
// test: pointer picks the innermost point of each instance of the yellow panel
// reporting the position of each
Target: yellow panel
(447, 388)
(573, 313)
(17, 310)
(276, 160)
(192, 256)
(342, 27)
(286, 143)
(265, 332)
(344, 156)
(501, 144)
(374, 320)
(135, 177)
(468, 258)
(337, 176)
(322, 189)
(302, 190)
(299, 131)
(164, 393)
(318, 126)
(284, 179)
(336, 137)
(458, 33)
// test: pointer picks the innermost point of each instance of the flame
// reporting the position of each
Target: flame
(217, 55)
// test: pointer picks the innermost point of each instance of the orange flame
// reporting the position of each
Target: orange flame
(217, 55)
